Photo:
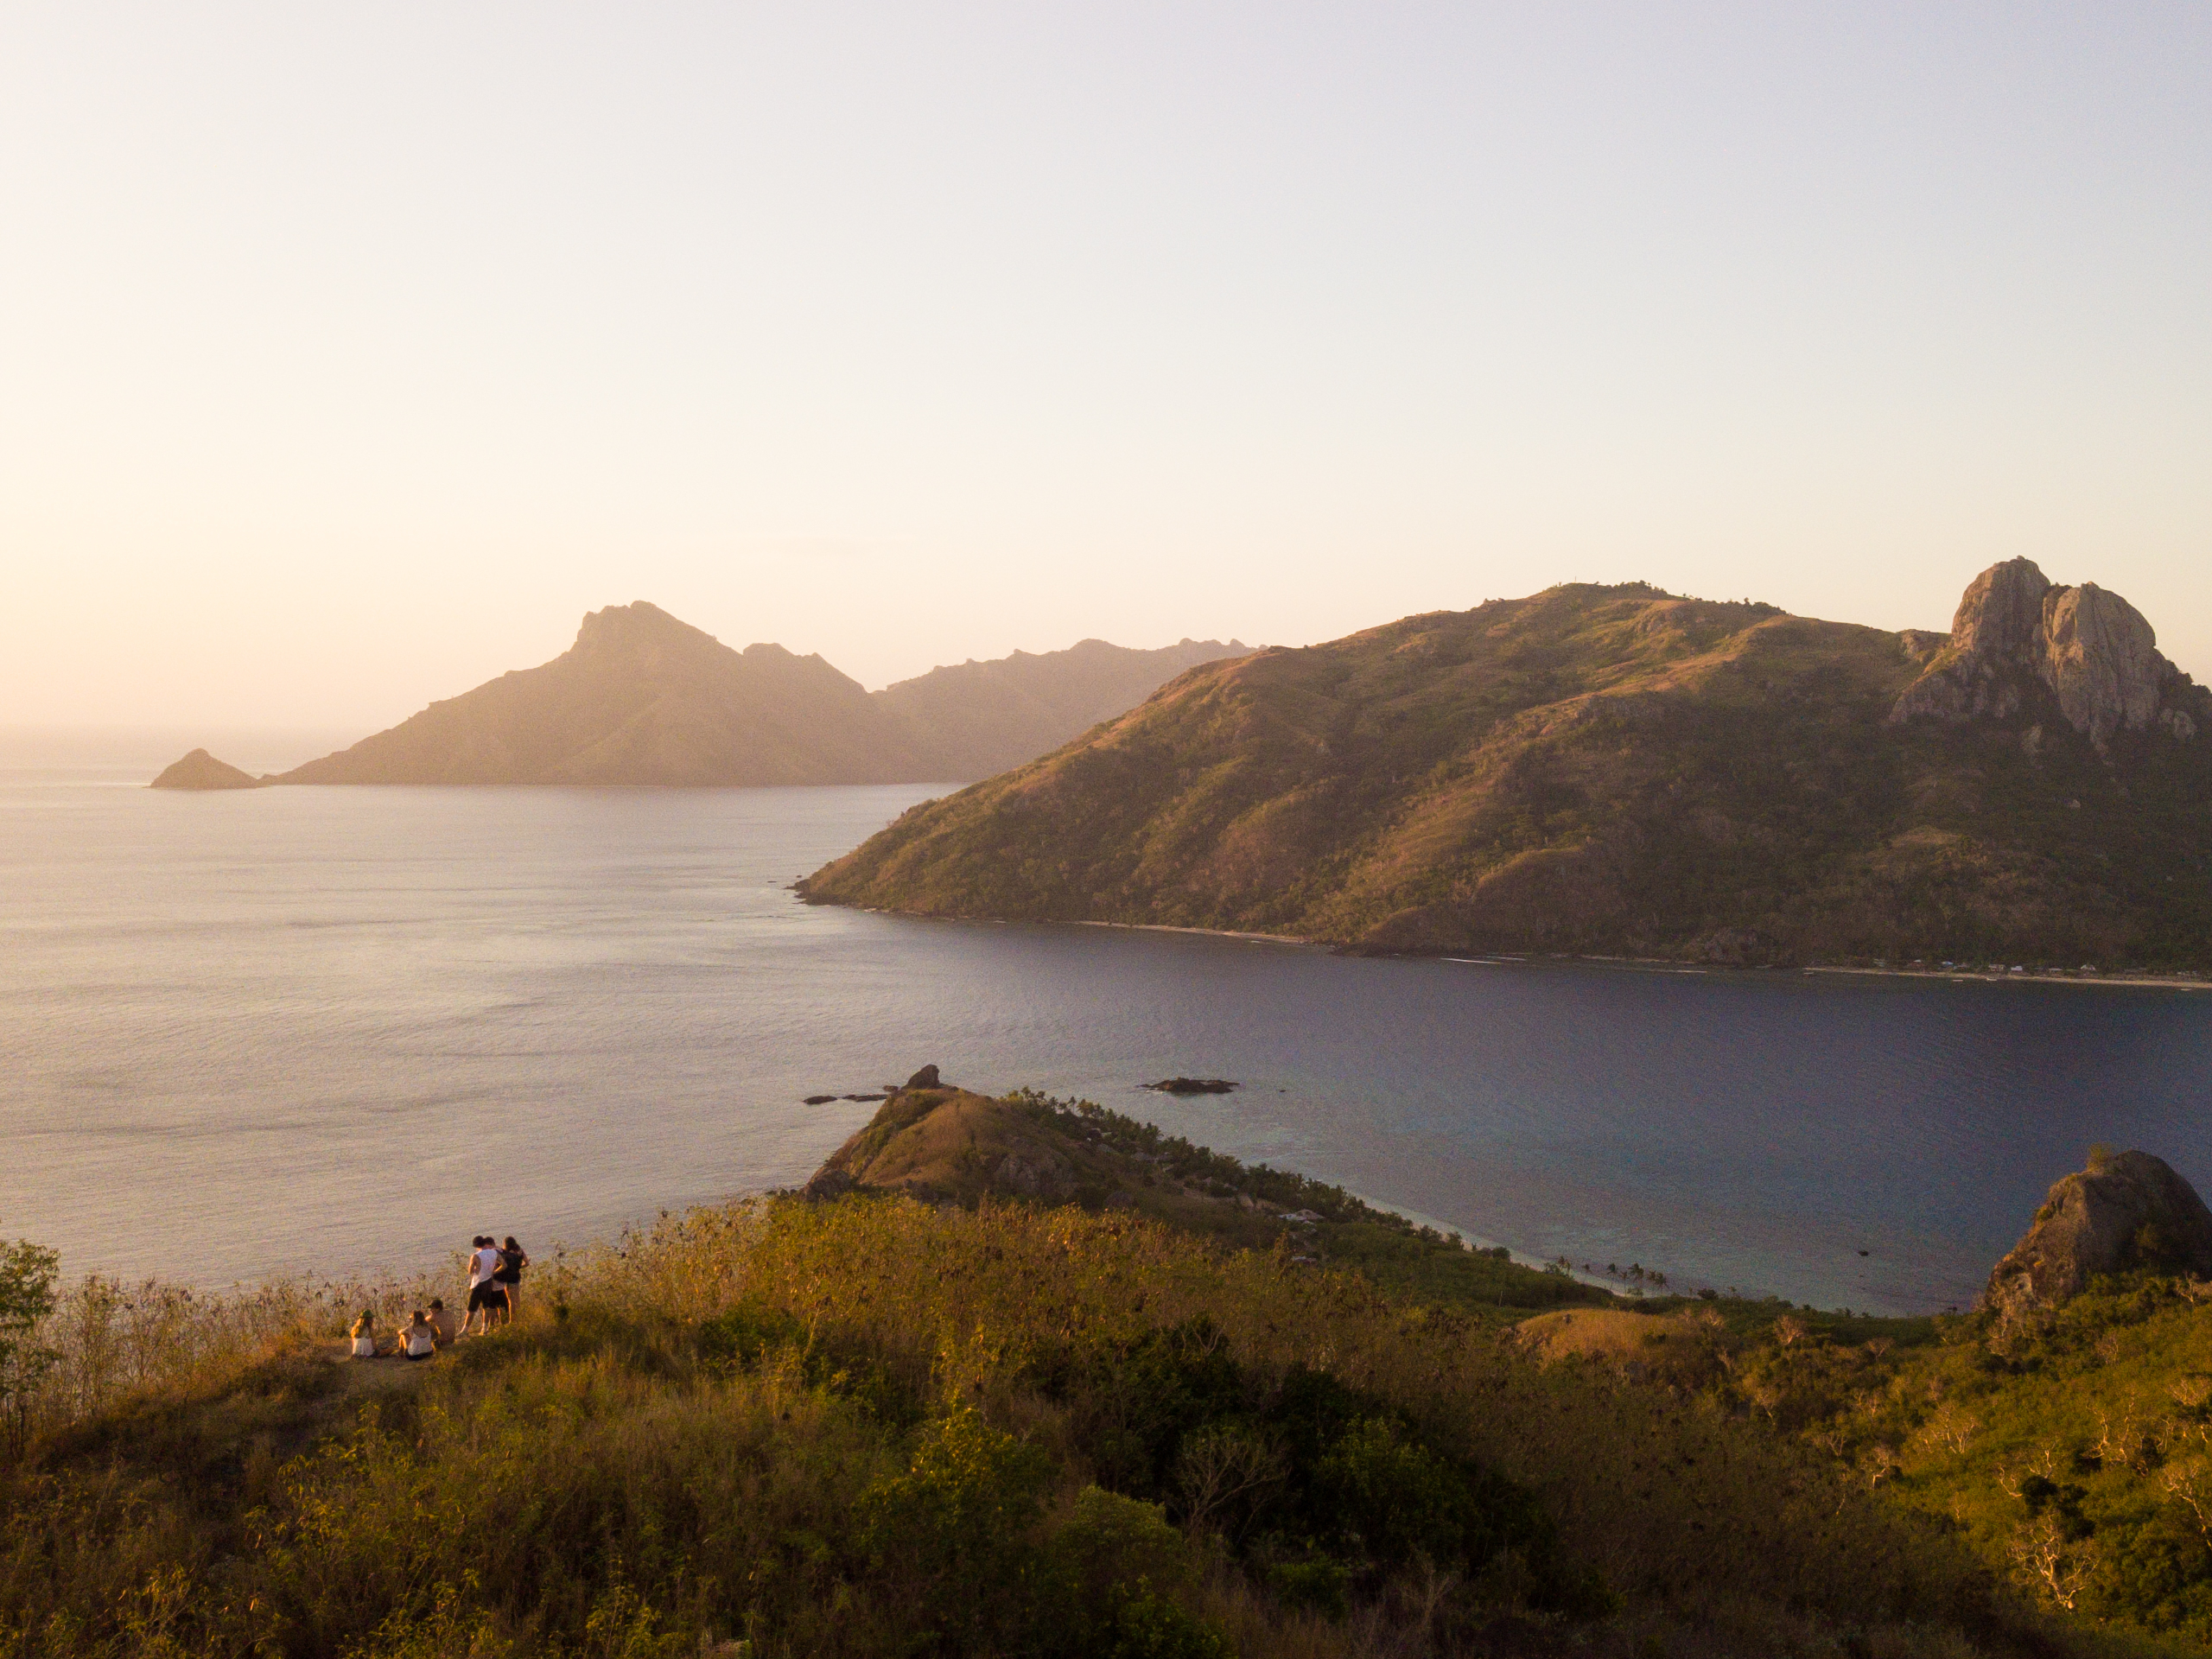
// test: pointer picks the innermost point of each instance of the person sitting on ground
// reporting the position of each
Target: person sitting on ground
(418, 1340)
(364, 1336)
(512, 1261)
(442, 1322)
(487, 1295)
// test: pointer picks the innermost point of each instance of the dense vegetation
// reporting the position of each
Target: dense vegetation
(2070, 1447)
(1594, 770)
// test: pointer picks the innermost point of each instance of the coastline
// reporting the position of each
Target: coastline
(1647, 965)
(2055, 976)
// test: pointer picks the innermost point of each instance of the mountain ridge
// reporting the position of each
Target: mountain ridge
(1609, 770)
(643, 698)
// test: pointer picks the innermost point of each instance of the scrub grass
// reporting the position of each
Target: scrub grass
(880, 1426)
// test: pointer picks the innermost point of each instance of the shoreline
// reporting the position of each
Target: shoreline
(2059, 976)
(1646, 964)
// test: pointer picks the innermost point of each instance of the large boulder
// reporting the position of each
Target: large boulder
(2101, 660)
(2020, 646)
(2130, 1211)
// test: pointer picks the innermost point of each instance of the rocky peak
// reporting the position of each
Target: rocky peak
(628, 629)
(2127, 1210)
(2020, 643)
(2000, 615)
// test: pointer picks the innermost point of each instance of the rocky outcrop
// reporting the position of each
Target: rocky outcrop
(200, 770)
(2101, 661)
(2130, 1211)
(2019, 644)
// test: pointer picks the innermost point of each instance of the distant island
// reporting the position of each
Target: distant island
(200, 770)
(1621, 771)
(643, 698)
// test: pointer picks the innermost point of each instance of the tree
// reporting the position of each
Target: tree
(27, 1273)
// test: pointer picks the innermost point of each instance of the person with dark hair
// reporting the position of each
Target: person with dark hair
(487, 1295)
(508, 1274)
(418, 1338)
(442, 1321)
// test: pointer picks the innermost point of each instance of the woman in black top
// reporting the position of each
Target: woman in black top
(512, 1261)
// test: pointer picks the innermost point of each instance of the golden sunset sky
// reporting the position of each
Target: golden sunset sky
(348, 354)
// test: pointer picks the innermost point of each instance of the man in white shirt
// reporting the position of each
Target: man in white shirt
(486, 1293)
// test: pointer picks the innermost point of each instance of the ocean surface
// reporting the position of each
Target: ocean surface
(268, 1033)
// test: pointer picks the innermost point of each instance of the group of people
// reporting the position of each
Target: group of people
(494, 1281)
(494, 1289)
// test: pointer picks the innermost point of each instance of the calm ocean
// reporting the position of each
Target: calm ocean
(253, 1034)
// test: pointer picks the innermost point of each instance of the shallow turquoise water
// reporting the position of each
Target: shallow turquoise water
(249, 1035)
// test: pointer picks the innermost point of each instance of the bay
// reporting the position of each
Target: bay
(250, 1034)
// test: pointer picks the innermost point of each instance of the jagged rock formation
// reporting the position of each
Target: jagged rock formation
(200, 770)
(1621, 771)
(2127, 1211)
(643, 698)
(2019, 644)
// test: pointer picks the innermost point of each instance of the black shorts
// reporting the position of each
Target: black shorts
(490, 1294)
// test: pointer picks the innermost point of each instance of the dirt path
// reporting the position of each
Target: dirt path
(360, 1378)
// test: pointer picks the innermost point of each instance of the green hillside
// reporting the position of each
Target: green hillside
(919, 1412)
(1610, 770)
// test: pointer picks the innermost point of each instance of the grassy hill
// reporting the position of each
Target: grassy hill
(1140, 1412)
(949, 1145)
(1593, 769)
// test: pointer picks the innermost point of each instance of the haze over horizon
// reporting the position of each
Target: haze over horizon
(352, 356)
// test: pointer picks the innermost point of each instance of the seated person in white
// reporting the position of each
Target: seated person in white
(418, 1339)
(364, 1335)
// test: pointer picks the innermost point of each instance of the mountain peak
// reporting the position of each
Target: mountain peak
(627, 627)
(2000, 614)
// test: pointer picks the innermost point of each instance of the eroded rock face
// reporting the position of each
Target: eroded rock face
(2101, 660)
(2017, 642)
(2130, 1210)
(2000, 615)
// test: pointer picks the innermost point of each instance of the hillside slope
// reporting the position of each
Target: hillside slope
(885, 1423)
(949, 1145)
(1620, 771)
(975, 719)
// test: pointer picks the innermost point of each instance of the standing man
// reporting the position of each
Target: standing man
(486, 1293)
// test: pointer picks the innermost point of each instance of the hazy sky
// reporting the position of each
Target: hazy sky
(349, 354)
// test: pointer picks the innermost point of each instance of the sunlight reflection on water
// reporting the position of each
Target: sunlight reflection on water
(248, 1034)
